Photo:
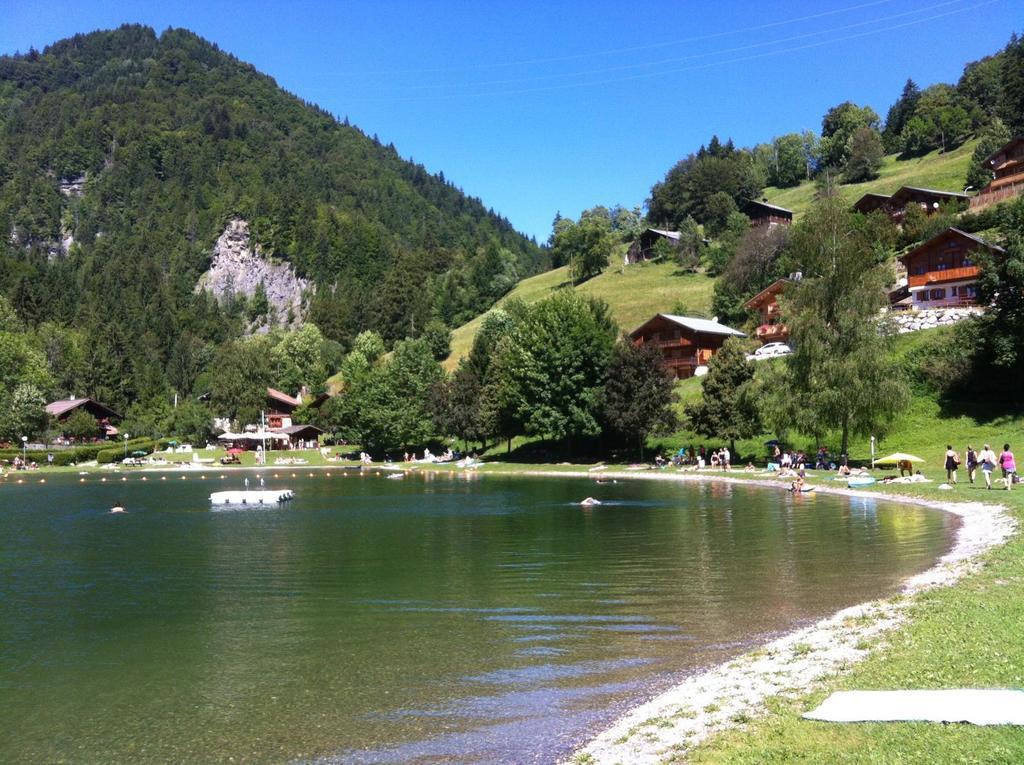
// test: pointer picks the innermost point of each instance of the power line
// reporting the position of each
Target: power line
(696, 67)
(693, 56)
(631, 49)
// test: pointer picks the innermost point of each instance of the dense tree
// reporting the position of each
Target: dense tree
(1001, 285)
(1011, 106)
(864, 154)
(898, 115)
(719, 207)
(838, 124)
(839, 375)
(940, 121)
(981, 85)
(22, 413)
(80, 425)
(727, 409)
(438, 338)
(691, 183)
(553, 366)
(585, 246)
(456, 406)
(238, 388)
(297, 359)
(637, 400)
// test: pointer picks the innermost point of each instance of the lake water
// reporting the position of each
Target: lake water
(443, 619)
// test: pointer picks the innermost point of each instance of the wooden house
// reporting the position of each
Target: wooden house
(301, 436)
(103, 414)
(685, 342)
(643, 247)
(895, 206)
(941, 271)
(770, 328)
(279, 408)
(1007, 166)
(763, 214)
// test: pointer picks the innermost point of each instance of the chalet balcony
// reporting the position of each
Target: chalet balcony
(949, 275)
(952, 301)
(770, 333)
(991, 196)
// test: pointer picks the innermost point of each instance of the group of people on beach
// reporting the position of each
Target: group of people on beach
(701, 458)
(985, 459)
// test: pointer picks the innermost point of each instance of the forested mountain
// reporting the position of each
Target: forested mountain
(124, 156)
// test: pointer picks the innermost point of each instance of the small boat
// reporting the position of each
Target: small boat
(396, 477)
(117, 509)
(589, 501)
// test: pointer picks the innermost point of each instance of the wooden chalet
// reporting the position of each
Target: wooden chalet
(685, 342)
(643, 247)
(895, 206)
(941, 272)
(766, 302)
(301, 436)
(279, 408)
(1007, 166)
(871, 202)
(103, 414)
(763, 214)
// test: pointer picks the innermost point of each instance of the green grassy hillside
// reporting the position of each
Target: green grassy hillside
(634, 293)
(936, 170)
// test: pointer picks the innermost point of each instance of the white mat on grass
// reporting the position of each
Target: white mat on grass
(979, 707)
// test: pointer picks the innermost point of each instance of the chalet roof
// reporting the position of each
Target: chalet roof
(293, 430)
(772, 289)
(870, 201)
(950, 232)
(764, 207)
(62, 407)
(905, 193)
(692, 323)
(1005, 149)
(283, 398)
(662, 232)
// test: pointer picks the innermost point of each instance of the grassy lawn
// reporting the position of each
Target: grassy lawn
(945, 172)
(634, 294)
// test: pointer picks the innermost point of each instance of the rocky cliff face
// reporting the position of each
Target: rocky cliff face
(238, 268)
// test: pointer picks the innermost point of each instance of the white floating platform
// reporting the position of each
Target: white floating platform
(251, 497)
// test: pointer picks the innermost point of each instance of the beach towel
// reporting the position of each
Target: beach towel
(978, 707)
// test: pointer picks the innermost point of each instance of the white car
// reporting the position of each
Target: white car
(770, 351)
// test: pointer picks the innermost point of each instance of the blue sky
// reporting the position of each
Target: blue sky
(538, 107)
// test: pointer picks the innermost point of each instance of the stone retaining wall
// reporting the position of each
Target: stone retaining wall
(911, 321)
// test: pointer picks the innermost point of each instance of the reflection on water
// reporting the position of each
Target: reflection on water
(376, 621)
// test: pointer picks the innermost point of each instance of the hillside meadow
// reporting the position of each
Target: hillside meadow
(944, 171)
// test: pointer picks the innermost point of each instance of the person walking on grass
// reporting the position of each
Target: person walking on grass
(971, 458)
(987, 458)
(952, 462)
(1009, 466)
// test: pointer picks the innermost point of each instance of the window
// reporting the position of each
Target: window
(938, 294)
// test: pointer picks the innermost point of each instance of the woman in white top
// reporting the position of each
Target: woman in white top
(987, 459)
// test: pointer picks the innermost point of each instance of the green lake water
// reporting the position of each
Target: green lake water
(444, 619)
